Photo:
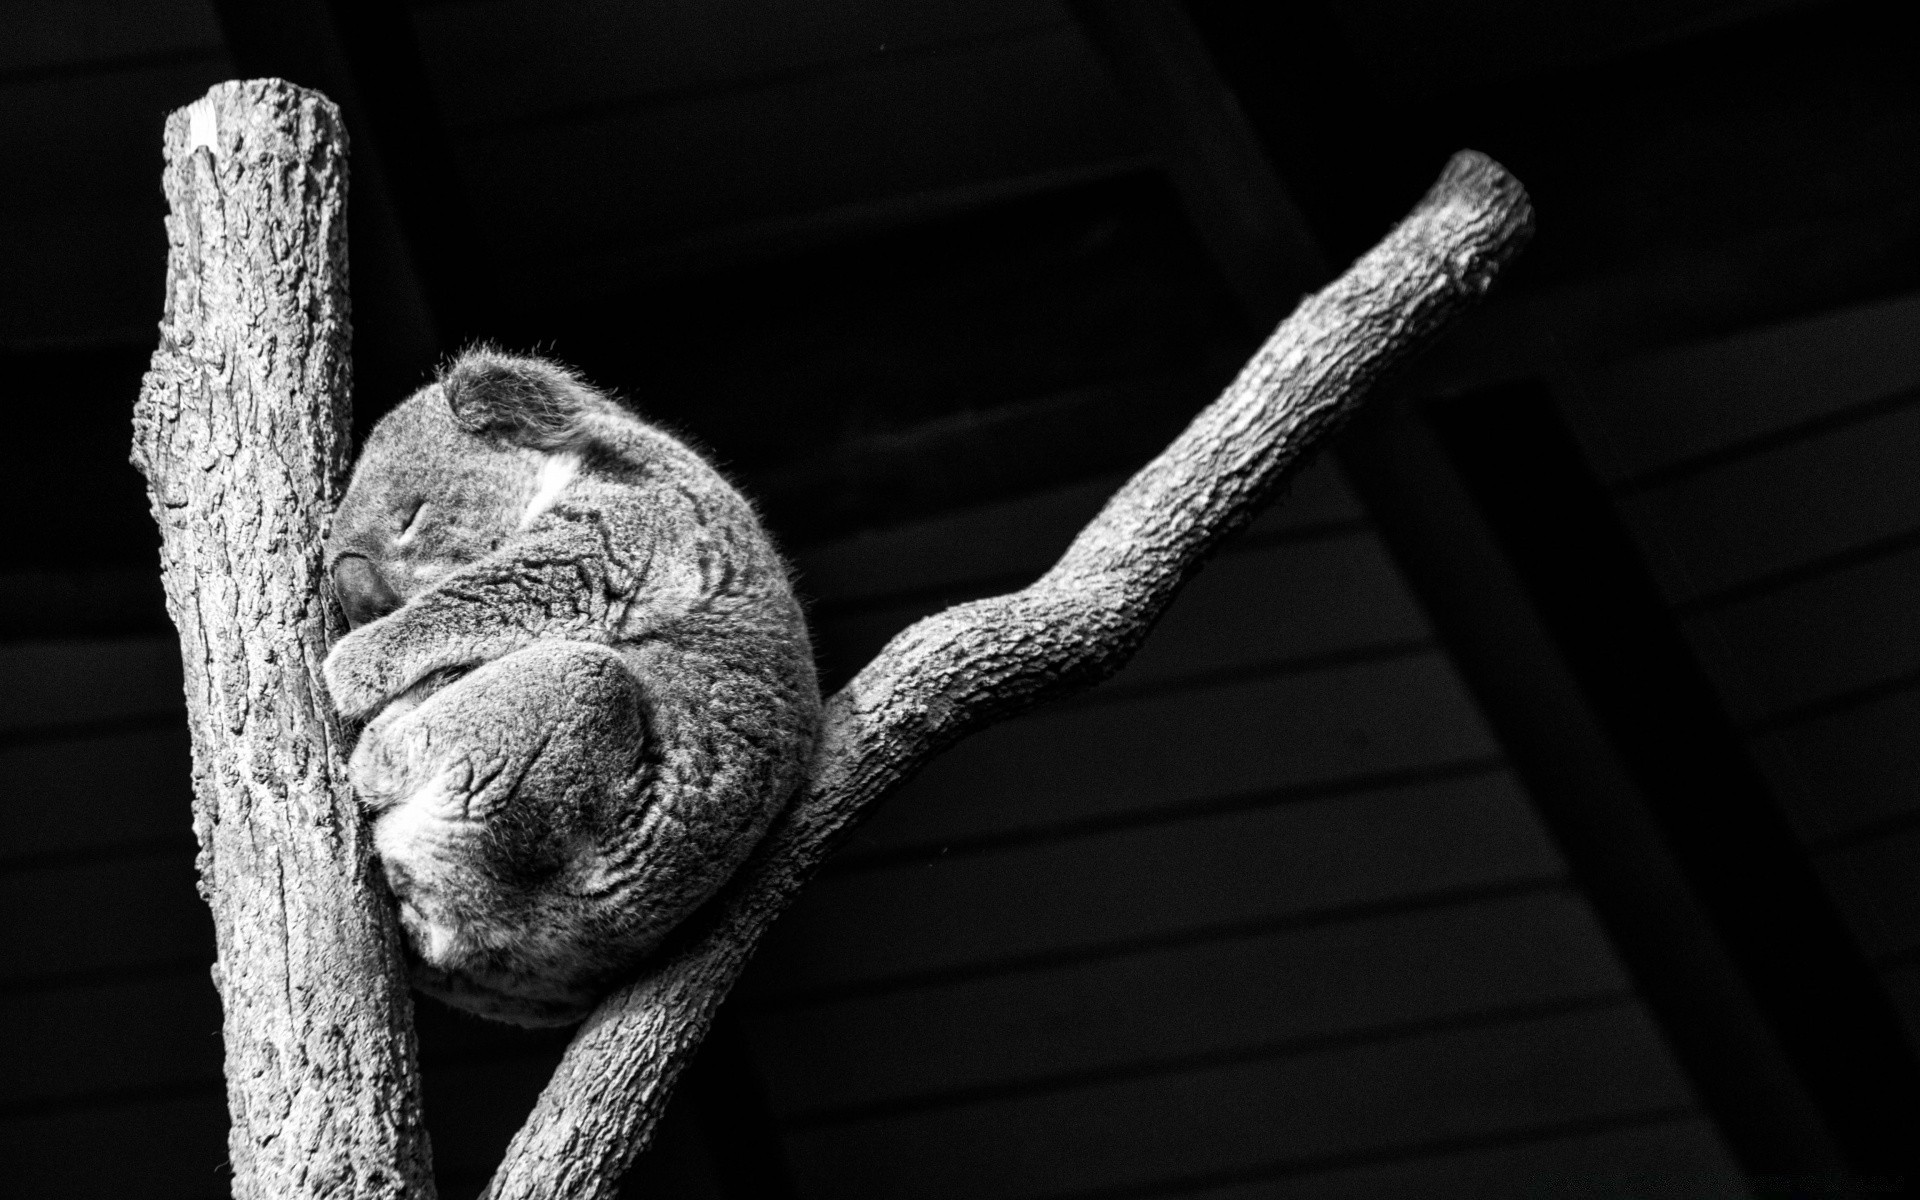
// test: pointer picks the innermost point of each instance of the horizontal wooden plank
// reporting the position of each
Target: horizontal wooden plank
(48, 685)
(124, 914)
(164, 1149)
(1682, 1158)
(1847, 629)
(71, 796)
(1651, 411)
(1019, 537)
(1752, 518)
(1283, 862)
(502, 59)
(1015, 538)
(1846, 770)
(991, 111)
(1277, 604)
(1237, 993)
(1082, 760)
(95, 1040)
(1353, 1100)
(1271, 604)
(1876, 886)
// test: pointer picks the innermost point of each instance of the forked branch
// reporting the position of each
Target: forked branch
(964, 668)
(241, 430)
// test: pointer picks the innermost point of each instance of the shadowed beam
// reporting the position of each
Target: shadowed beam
(1727, 1032)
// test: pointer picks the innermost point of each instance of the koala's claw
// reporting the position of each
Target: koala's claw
(358, 682)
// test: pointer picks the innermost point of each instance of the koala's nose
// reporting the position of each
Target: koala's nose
(362, 591)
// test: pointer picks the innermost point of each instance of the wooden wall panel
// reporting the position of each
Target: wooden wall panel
(1018, 539)
(1196, 923)
(1271, 1114)
(55, 686)
(719, 163)
(1778, 510)
(499, 60)
(1262, 604)
(1877, 876)
(123, 1036)
(1662, 1157)
(165, 1148)
(110, 1079)
(104, 915)
(1845, 773)
(1086, 760)
(1282, 862)
(1776, 503)
(1653, 411)
(1816, 640)
(77, 795)
(1216, 996)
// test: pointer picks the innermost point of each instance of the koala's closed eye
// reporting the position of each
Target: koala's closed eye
(410, 516)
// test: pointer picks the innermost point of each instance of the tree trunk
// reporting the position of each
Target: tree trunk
(241, 431)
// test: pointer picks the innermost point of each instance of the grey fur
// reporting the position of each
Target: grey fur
(579, 724)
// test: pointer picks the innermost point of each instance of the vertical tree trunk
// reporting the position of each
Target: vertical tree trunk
(241, 431)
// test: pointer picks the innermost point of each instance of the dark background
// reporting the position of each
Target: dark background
(1527, 807)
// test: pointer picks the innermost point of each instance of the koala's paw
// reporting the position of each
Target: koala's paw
(360, 676)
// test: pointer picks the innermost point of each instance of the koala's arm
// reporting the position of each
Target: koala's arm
(555, 580)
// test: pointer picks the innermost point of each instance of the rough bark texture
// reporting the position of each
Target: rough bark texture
(241, 431)
(963, 668)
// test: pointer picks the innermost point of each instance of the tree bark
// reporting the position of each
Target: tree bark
(242, 432)
(978, 662)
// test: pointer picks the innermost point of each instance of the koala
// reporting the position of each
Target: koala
(585, 682)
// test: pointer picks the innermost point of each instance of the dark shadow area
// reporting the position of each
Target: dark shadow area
(1747, 870)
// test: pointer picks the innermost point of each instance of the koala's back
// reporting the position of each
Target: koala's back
(510, 525)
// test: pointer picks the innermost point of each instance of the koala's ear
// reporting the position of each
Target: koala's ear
(529, 401)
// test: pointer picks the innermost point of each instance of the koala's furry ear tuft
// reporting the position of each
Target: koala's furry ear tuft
(529, 401)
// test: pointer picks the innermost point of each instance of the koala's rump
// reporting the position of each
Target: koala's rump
(494, 797)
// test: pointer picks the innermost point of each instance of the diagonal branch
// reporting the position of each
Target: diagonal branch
(241, 430)
(964, 668)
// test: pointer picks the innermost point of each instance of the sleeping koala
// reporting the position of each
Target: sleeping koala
(588, 682)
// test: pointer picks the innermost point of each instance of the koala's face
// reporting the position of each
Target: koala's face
(427, 498)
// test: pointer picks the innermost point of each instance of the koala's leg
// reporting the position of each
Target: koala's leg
(733, 715)
(491, 799)
(556, 581)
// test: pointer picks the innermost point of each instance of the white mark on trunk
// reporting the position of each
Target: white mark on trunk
(203, 125)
